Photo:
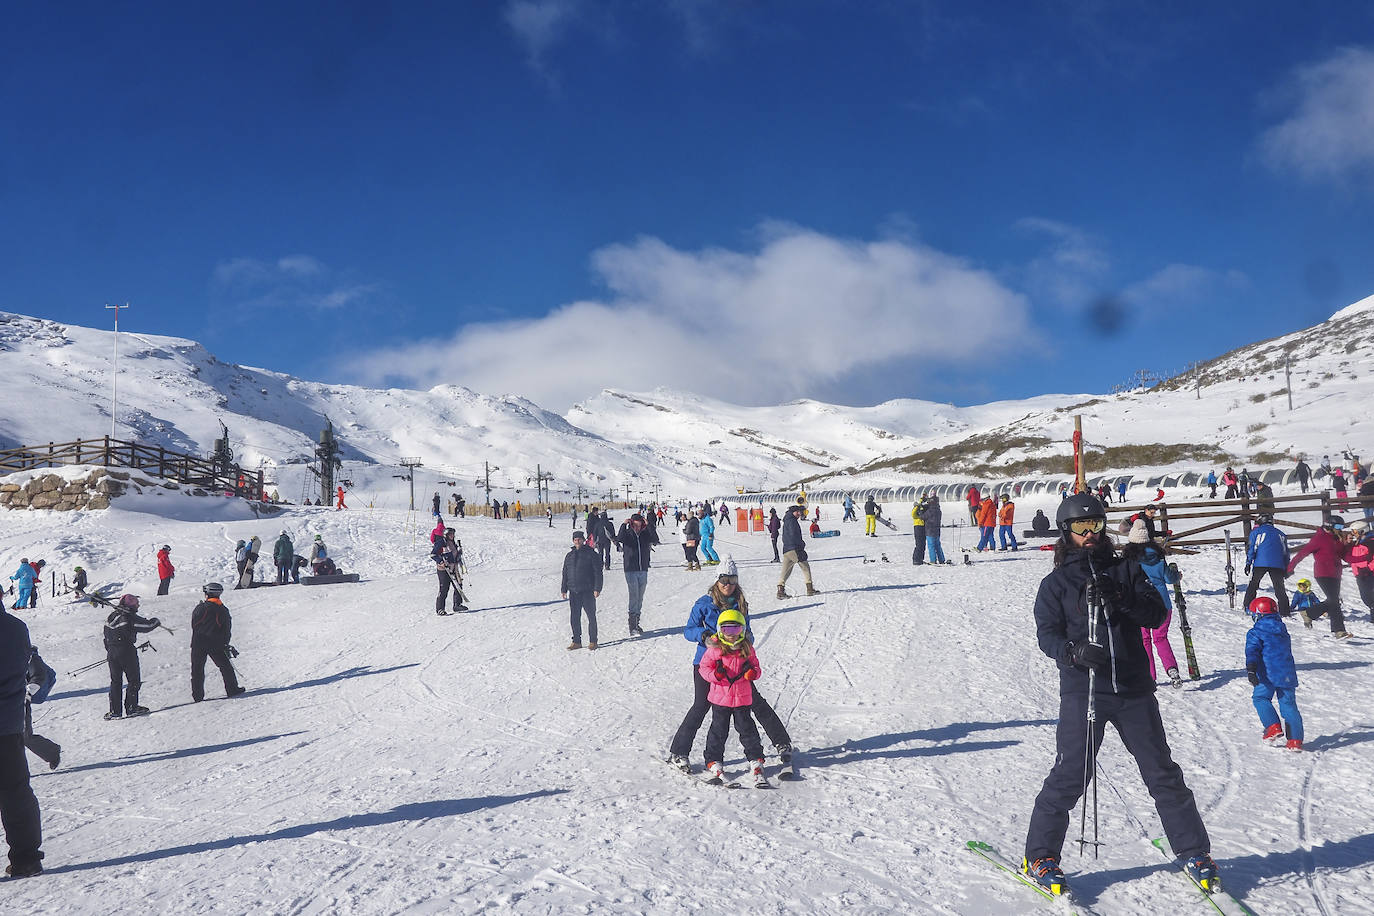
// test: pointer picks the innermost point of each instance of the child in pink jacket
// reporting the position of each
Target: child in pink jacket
(730, 665)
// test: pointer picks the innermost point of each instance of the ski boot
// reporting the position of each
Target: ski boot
(1046, 873)
(1294, 744)
(1204, 871)
(237, 691)
(25, 870)
(136, 711)
(715, 774)
(113, 715)
(636, 630)
(756, 771)
(1272, 733)
(677, 761)
(1174, 679)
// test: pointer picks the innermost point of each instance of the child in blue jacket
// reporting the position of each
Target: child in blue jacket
(1271, 670)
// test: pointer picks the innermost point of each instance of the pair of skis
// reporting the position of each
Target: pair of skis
(1221, 901)
(1194, 672)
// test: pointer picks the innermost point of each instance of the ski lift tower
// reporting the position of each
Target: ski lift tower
(410, 464)
(327, 454)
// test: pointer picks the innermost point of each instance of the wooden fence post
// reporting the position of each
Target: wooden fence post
(161, 462)
(1326, 506)
(105, 455)
(1245, 516)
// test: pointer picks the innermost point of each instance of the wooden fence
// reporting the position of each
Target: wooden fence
(1198, 523)
(165, 463)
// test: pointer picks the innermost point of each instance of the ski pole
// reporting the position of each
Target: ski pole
(165, 627)
(1090, 755)
(146, 645)
(82, 670)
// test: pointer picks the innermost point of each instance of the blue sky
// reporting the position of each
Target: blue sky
(757, 200)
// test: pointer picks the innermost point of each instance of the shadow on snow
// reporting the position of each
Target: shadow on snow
(878, 746)
(161, 756)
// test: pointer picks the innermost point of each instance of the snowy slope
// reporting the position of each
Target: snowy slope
(386, 760)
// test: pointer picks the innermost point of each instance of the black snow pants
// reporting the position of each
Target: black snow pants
(1138, 723)
(1276, 579)
(686, 733)
(918, 553)
(1331, 606)
(445, 582)
(577, 603)
(217, 654)
(18, 805)
(721, 717)
(123, 662)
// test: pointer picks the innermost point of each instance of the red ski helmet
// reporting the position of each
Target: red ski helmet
(1263, 605)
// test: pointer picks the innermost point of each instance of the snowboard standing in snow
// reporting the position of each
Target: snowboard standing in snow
(250, 560)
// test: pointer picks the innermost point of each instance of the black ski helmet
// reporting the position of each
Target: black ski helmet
(1336, 522)
(212, 589)
(1264, 518)
(1079, 505)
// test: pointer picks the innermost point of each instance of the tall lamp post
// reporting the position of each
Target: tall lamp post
(114, 370)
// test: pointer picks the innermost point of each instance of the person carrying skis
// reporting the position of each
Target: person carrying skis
(1270, 668)
(1124, 693)
(1146, 552)
(165, 569)
(284, 557)
(1006, 517)
(1266, 552)
(25, 576)
(1327, 549)
(19, 812)
(706, 525)
(79, 582)
(725, 594)
(775, 527)
(730, 666)
(122, 627)
(794, 551)
(211, 630)
(447, 554)
(581, 585)
(40, 680)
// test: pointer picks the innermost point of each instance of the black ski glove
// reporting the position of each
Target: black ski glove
(1252, 675)
(233, 653)
(1247, 569)
(1108, 591)
(1088, 655)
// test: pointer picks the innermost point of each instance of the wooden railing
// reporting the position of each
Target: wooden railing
(166, 463)
(1208, 517)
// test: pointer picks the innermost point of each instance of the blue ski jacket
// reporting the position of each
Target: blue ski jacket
(701, 623)
(14, 669)
(1157, 571)
(707, 527)
(24, 575)
(1268, 547)
(1269, 649)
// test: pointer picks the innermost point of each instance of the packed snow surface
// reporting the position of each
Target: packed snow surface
(388, 760)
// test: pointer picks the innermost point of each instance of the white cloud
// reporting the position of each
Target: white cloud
(1329, 129)
(539, 25)
(292, 281)
(1181, 284)
(750, 327)
(1072, 271)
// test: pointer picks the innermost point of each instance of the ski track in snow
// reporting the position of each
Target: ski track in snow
(389, 760)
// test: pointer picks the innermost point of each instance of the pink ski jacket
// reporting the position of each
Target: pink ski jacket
(723, 693)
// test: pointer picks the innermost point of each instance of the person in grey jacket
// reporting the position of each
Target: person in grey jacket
(794, 551)
(931, 514)
(18, 805)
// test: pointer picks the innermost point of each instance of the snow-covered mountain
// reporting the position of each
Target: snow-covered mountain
(173, 392)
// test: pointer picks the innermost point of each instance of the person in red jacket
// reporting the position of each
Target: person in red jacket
(340, 496)
(1327, 547)
(165, 569)
(974, 498)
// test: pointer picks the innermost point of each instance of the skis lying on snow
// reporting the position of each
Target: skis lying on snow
(990, 854)
(1194, 672)
(1221, 901)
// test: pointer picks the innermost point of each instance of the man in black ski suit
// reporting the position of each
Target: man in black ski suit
(447, 555)
(18, 805)
(211, 630)
(581, 585)
(1124, 690)
(121, 631)
(636, 542)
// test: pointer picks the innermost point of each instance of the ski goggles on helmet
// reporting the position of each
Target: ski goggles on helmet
(730, 629)
(1083, 526)
(727, 579)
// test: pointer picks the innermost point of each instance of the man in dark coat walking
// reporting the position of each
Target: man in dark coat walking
(636, 542)
(211, 631)
(581, 585)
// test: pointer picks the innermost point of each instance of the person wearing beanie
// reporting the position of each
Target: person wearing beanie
(581, 586)
(1148, 554)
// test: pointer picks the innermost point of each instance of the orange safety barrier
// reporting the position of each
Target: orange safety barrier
(741, 520)
(759, 520)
